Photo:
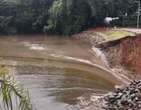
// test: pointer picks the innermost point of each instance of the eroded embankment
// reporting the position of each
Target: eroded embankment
(125, 52)
(122, 56)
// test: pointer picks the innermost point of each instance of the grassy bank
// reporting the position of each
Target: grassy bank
(113, 35)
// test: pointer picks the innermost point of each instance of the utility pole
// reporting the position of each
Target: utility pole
(138, 13)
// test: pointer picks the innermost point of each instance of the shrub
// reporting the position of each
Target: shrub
(11, 94)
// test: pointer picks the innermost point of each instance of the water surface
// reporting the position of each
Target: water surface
(57, 71)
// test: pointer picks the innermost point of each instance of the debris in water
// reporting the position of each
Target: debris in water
(125, 98)
(36, 47)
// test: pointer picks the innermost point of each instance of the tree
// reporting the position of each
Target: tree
(75, 13)
(32, 16)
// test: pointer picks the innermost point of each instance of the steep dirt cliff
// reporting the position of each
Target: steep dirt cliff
(131, 53)
(125, 52)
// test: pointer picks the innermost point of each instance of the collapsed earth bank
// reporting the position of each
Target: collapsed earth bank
(125, 53)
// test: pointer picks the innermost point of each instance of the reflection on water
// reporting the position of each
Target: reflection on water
(58, 82)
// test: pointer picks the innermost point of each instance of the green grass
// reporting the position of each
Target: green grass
(113, 35)
(12, 95)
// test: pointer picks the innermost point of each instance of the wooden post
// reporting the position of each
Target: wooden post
(138, 16)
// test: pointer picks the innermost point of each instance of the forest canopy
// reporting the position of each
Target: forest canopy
(63, 16)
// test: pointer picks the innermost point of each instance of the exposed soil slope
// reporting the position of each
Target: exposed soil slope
(122, 47)
(126, 52)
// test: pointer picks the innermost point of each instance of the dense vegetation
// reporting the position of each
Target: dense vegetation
(62, 16)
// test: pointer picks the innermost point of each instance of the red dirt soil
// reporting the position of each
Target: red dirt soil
(131, 53)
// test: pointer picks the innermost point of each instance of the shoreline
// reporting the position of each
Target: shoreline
(93, 38)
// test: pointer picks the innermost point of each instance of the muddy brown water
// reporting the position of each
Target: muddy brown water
(56, 70)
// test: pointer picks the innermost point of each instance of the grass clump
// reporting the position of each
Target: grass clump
(12, 97)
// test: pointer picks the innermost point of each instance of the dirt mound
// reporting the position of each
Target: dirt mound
(91, 36)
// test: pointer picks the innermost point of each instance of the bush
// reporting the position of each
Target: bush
(10, 93)
(68, 17)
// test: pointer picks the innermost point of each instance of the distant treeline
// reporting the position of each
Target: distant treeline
(62, 16)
